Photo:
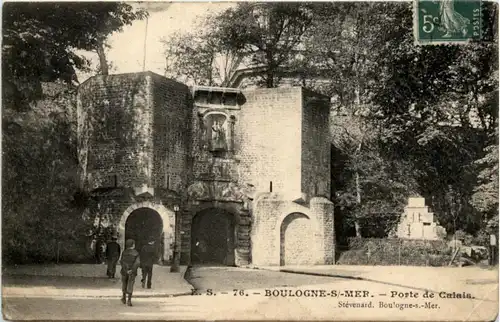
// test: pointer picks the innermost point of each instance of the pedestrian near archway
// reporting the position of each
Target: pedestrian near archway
(130, 262)
(147, 220)
(148, 257)
(112, 256)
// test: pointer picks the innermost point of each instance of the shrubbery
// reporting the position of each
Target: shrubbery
(380, 251)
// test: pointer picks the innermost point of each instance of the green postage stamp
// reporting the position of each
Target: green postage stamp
(447, 21)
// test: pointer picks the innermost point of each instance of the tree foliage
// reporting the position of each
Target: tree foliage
(373, 185)
(39, 178)
(259, 35)
(41, 204)
(435, 109)
(200, 58)
(485, 196)
(39, 40)
(269, 34)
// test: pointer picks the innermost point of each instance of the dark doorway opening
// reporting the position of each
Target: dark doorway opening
(212, 238)
(144, 225)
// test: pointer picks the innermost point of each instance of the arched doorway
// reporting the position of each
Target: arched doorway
(212, 238)
(144, 225)
(296, 240)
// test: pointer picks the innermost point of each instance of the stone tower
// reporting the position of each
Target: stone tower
(248, 172)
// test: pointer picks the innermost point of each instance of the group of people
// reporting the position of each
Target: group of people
(130, 261)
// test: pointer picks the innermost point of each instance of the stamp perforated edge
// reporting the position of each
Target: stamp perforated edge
(418, 42)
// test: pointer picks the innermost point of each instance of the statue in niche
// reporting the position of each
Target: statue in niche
(218, 136)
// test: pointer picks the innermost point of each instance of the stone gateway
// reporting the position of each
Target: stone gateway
(246, 172)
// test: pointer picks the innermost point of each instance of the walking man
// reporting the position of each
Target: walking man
(148, 256)
(112, 256)
(130, 262)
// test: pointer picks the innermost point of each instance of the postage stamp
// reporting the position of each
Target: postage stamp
(447, 21)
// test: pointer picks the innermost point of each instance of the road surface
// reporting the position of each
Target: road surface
(245, 294)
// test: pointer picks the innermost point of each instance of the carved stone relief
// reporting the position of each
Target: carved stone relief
(198, 190)
(233, 192)
(215, 170)
(218, 190)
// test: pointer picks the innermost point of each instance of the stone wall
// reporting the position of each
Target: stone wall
(172, 116)
(272, 216)
(114, 122)
(268, 142)
(133, 139)
(295, 248)
(133, 131)
(214, 179)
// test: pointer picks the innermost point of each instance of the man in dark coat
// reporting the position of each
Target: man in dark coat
(130, 262)
(112, 256)
(148, 256)
(99, 250)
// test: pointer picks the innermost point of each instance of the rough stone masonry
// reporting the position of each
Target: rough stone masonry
(247, 172)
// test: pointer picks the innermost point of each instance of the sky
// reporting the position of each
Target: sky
(127, 47)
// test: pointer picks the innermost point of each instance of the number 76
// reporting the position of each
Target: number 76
(429, 22)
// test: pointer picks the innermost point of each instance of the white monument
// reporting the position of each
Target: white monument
(417, 222)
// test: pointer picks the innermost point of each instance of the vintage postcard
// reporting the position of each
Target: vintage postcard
(333, 161)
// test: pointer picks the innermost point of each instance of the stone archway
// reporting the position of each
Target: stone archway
(148, 214)
(296, 240)
(144, 225)
(213, 237)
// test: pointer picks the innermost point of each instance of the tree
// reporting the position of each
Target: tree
(198, 57)
(433, 108)
(375, 185)
(269, 34)
(342, 50)
(42, 206)
(265, 35)
(39, 181)
(485, 197)
(39, 41)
